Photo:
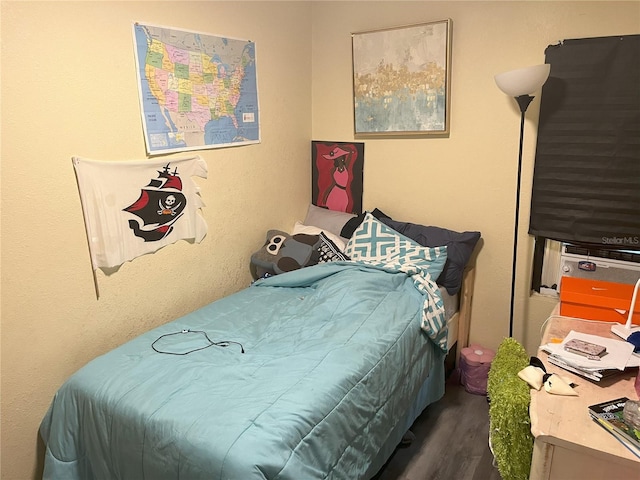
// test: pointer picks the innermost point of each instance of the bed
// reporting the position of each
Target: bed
(313, 372)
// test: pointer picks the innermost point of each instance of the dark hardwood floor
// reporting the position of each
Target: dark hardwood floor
(451, 441)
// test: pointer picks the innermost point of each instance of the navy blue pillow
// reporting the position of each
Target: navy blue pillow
(459, 248)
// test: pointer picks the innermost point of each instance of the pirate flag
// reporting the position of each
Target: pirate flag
(134, 208)
(160, 205)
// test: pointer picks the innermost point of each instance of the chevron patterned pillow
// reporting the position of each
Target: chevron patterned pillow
(375, 242)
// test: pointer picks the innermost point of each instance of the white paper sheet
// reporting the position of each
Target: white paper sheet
(619, 353)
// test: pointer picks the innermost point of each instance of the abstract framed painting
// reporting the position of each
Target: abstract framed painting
(402, 80)
(337, 175)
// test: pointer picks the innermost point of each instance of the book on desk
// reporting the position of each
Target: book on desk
(609, 415)
(595, 375)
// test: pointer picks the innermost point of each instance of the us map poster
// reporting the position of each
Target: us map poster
(197, 91)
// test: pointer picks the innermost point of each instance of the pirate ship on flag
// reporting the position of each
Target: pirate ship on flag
(159, 206)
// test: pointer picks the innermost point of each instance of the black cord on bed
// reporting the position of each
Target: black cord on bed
(223, 343)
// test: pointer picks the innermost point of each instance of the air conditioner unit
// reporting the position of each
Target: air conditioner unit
(599, 264)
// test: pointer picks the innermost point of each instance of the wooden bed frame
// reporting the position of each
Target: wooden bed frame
(460, 322)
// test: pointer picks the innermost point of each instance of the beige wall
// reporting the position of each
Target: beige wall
(69, 88)
(466, 181)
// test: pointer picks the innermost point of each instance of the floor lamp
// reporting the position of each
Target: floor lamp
(520, 84)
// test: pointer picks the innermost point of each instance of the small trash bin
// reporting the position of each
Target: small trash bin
(475, 362)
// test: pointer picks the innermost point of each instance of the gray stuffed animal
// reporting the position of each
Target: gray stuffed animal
(282, 253)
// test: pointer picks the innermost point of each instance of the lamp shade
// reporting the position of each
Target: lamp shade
(523, 81)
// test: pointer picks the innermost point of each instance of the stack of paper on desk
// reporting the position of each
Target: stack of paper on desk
(619, 356)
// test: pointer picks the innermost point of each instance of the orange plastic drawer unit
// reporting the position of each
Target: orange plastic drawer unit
(597, 300)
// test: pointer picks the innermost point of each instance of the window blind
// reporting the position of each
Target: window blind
(586, 180)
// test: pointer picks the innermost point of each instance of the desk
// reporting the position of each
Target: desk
(568, 444)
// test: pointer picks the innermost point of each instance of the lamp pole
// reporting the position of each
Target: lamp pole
(523, 103)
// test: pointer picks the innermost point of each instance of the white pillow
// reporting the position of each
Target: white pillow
(299, 227)
(327, 220)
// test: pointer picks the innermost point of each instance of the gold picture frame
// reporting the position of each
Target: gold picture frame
(402, 80)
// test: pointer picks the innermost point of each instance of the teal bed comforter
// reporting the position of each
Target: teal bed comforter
(333, 356)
